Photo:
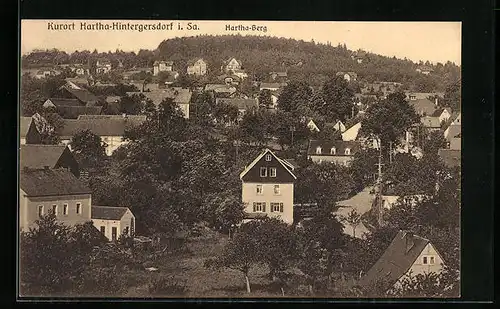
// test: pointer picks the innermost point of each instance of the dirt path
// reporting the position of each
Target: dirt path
(362, 203)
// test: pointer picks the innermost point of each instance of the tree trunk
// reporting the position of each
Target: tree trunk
(353, 232)
(311, 289)
(282, 292)
(247, 281)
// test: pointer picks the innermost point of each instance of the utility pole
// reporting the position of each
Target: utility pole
(390, 152)
(378, 187)
(292, 129)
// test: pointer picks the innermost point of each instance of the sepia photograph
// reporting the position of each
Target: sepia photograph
(239, 159)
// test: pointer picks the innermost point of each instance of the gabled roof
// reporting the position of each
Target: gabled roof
(39, 156)
(25, 123)
(354, 129)
(138, 118)
(451, 157)
(100, 127)
(326, 146)
(423, 106)
(191, 62)
(396, 260)
(73, 112)
(83, 95)
(51, 182)
(163, 61)
(108, 212)
(179, 95)
(452, 131)
(64, 102)
(264, 152)
(241, 104)
(430, 122)
(229, 60)
(220, 88)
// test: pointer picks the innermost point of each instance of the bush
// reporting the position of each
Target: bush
(167, 286)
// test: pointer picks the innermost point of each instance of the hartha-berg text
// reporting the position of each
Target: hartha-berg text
(253, 28)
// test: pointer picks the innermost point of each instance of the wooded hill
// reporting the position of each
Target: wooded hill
(260, 55)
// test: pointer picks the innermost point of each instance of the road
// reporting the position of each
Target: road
(361, 202)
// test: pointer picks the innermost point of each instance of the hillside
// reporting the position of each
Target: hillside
(303, 60)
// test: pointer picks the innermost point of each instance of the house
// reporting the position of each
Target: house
(335, 151)
(244, 105)
(136, 118)
(271, 86)
(162, 66)
(407, 253)
(267, 187)
(220, 89)
(28, 131)
(197, 67)
(279, 76)
(339, 126)
(426, 70)
(443, 114)
(74, 91)
(231, 64)
(422, 106)
(358, 56)
(240, 73)
(80, 69)
(55, 102)
(388, 201)
(113, 222)
(103, 66)
(312, 126)
(180, 96)
(71, 108)
(52, 156)
(430, 123)
(451, 157)
(452, 131)
(110, 130)
(348, 76)
(456, 142)
(351, 134)
(44, 73)
(58, 190)
(230, 79)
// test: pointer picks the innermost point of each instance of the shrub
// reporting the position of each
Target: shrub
(167, 286)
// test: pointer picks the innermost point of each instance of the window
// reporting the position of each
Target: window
(54, 209)
(259, 207)
(103, 230)
(276, 207)
(276, 189)
(260, 190)
(272, 172)
(40, 211)
(424, 260)
(268, 157)
(347, 151)
(132, 227)
(412, 97)
(65, 209)
(318, 150)
(263, 172)
(113, 233)
(431, 260)
(320, 161)
(333, 151)
(79, 208)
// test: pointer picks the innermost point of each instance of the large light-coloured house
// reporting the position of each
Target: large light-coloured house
(57, 190)
(180, 96)
(231, 64)
(162, 66)
(337, 151)
(443, 114)
(407, 253)
(103, 66)
(197, 67)
(267, 187)
(110, 129)
(112, 222)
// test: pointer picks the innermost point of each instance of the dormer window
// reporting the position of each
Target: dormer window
(268, 157)
(413, 97)
(347, 151)
(318, 150)
(333, 151)
(263, 172)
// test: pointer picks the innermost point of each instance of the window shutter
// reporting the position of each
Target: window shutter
(281, 207)
(264, 207)
(254, 207)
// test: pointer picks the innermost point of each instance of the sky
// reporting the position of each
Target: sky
(426, 41)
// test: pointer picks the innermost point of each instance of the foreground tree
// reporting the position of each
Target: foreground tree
(338, 99)
(89, 149)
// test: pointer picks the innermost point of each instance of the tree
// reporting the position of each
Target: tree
(130, 105)
(338, 99)
(49, 124)
(363, 167)
(353, 218)
(241, 253)
(224, 209)
(253, 128)
(294, 95)
(452, 96)
(88, 148)
(265, 99)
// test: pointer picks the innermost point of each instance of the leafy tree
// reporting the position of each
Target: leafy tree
(281, 124)
(253, 128)
(294, 95)
(130, 105)
(363, 167)
(88, 148)
(338, 99)
(452, 96)
(432, 142)
(265, 99)
(353, 218)
(224, 210)
(50, 125)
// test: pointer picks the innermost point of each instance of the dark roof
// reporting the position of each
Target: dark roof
(83, 95)
(65, 102)
(244, 104)
(451, 157)
(193, 61)
(25, 123)
(108, 212)
(423, 106)
(39, 156)
(339, 145)
(73, 112)
(439, 111)
(179, 95)
(396, 260)
(138, 118)
(51, 182)
(101, 127)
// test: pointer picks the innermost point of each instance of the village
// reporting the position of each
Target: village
(207, 180)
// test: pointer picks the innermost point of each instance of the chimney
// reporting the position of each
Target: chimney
(409, 241)
(436, 101)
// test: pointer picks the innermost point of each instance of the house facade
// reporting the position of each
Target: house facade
(197, 67)
(103, 66)
(113, 222)
(231, 64)
(162, 66)
(338, 152)
(339, 126)
(52, 190)
(267, 187)
(443, 114)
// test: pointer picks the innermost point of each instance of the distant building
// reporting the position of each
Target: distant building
(162, 66)
(52, 190)
(443, 114)
(74, 91)
(113, 222)
(28, 131)
(231, 64)
(421, 103)
(180, 96)
(336, 151)
(407, 253)
(271, 86)
(279, 76)
(197, 67)
(267, 188)
(348, 76)
(44, 73)
(51, 156)
(103, 66)
(426, 70)
(244, 105)
(339, 126)
(71, 108)
(431, 123)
